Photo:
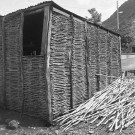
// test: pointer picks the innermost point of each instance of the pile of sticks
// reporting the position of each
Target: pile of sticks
(114, 106)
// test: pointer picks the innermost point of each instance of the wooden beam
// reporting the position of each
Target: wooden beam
(32, 8)
(61, 12)
(78, 20)
(45, 30)
(34, 12)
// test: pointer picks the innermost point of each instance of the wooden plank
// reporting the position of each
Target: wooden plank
(78, 20)
(34, 12)
(45, 30)
(46, 37)
(61, 12)
(39, 6)
(86, 61)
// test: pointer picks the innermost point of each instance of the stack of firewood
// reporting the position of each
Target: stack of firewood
(114, 106)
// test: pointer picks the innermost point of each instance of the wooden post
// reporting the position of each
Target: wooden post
(46, 37)
(44, 43)
(97, 56)
(4, 65)
(70, 62)
(119, 59)
(21, 62)
(86, 61)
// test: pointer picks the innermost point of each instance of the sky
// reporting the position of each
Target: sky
(80, 7)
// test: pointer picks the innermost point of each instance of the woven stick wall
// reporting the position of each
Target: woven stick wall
(13, 89)
(1, 66)
(79, 86)
(115, 56)
(102, 58)
(69, 38)
(109, 57)
(35, 101)
(60, 47)
(92, 41)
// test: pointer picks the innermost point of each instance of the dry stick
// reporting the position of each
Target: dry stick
(86, 108)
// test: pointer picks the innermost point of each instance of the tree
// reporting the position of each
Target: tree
(125, 41)
(95, 16)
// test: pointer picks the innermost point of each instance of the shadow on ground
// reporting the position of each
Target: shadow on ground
(25, 121)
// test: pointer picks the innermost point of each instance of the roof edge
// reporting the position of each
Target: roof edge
(82, 18)
(53, 4)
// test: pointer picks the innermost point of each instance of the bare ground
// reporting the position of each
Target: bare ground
(34, 126)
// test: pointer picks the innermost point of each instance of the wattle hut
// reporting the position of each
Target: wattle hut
(51, 60)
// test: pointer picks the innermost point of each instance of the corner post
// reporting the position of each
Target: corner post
(45, 50)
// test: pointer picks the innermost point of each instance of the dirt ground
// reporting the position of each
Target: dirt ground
(34, 126)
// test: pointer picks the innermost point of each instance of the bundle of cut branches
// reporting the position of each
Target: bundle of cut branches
(114, 106)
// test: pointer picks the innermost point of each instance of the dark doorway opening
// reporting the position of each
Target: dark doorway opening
(32, 34)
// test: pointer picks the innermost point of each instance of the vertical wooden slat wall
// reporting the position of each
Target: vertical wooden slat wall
(13, 87)
(1, 64)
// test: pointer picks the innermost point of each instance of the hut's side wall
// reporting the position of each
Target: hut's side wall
(1, 65)
(60, 48)
(67, 63)
(12, 43)
(81, 59)
(104, 64)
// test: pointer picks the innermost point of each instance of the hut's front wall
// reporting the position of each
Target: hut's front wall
(34, 86)
(12, 44)
(1, 65)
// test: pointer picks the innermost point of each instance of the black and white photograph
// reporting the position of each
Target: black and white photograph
(67, 67)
